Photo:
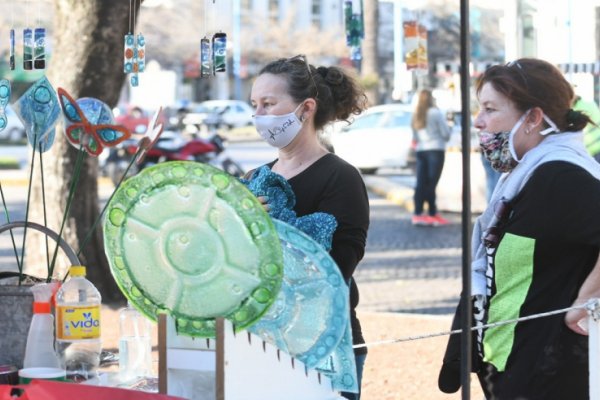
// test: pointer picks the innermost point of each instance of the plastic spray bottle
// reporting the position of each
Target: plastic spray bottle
(39, 351)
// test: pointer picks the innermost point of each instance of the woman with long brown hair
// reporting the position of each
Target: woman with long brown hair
(430, 132)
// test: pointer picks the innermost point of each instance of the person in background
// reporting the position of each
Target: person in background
(431, 132)
(591, 132)
(293, 101)
(536, 246)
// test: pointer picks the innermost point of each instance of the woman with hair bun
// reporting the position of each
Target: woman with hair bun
(535, 248)
(293, 101)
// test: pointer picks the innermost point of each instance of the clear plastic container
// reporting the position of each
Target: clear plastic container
(39, 351)
(135, 345)
(78, 341)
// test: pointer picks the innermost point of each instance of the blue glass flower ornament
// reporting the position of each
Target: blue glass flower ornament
(311, 312)
(89, 123)
(39, 110)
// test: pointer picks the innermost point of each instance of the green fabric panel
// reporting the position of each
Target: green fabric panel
(513, 276)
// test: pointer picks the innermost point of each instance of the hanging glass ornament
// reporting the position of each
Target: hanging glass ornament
(140, 46)
(129, 43)
(205, 57)
(27, 49)
(39, 50)
(219, 48)
(12, 50)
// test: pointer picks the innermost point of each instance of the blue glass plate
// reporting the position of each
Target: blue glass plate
(311, 312)
(188, 239)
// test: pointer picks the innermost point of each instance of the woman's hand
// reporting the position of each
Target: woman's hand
(577, 320)
(264, 200)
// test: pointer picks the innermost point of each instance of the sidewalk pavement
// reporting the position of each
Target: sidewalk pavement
(399, 188)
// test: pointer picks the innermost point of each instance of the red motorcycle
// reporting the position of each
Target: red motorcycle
(171, 146)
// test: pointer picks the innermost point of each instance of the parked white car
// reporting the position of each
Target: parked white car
(379, 137)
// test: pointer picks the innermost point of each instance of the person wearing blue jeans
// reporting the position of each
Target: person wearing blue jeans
(430, 134)
(429, 169)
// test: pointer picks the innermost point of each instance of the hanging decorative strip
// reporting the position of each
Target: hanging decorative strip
(134, 53)
(27, 49)
(355, 33)
(205, 57)
(219, 48)
(39, 49)
(12, 50)
(213, 51)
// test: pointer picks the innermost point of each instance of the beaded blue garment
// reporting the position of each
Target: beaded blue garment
(264, 182)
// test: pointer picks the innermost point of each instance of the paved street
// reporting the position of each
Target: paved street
(406, 268)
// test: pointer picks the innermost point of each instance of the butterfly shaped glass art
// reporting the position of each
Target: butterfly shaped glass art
(89, 123)
(39, 110)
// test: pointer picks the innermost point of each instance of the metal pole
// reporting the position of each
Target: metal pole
(466, 200)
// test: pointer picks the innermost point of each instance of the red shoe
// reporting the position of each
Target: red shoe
(437, 220)
(421, 220)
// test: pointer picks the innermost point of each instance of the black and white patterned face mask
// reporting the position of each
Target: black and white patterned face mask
(496, 147)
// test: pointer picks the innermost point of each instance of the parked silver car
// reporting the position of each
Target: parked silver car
(379, 137)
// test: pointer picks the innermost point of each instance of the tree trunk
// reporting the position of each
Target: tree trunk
(370, 65)
(87, 62)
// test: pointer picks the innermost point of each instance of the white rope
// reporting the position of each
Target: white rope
(492, 325)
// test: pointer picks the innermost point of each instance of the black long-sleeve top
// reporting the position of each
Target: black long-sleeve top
(333, 186)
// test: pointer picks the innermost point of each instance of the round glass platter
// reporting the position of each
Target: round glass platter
(310, 315)
(188, 239)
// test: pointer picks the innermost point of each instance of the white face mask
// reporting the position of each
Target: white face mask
(278, 130)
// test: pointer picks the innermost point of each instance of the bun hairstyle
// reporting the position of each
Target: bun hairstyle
(336, 91)
(530, 82)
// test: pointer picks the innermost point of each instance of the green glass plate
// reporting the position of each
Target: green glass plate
(188, 239)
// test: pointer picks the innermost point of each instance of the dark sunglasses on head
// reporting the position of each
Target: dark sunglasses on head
(516, 66)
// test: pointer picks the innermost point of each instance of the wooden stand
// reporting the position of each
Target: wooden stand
(233, 367)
